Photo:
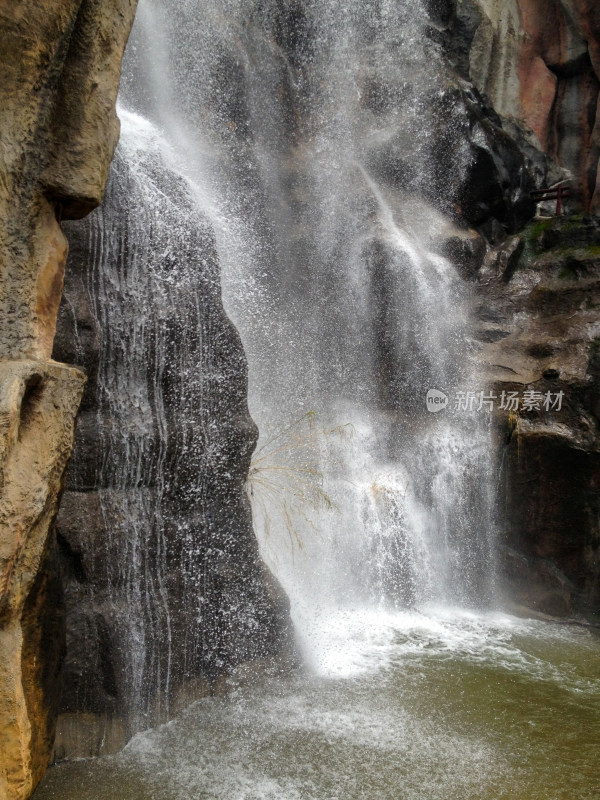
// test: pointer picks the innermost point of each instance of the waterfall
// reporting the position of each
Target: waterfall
(305, 169)
(314, 131)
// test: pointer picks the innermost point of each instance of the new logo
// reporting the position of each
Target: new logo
(436, 400)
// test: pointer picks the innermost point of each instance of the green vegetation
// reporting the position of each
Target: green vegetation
(563, 237)
(572, 223)
(581, 251)
(531, 237)
(535, 229)
(575, 259)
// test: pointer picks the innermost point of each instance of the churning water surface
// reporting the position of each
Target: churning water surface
(400, 706)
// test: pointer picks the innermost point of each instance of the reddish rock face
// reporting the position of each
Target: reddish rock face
(559, 74)
(588, 12)
(538, 89)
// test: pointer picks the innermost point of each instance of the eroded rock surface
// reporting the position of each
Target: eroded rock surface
(60, 64)
(539, 330)
(59, 131)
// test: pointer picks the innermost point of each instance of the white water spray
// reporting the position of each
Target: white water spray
(334, 278)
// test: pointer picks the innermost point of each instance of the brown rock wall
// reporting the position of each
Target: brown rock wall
(542, 291)
(38, 404)
(60, 63)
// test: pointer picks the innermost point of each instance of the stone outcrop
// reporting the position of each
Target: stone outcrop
(38, 403)
(59, 131)
(538, 304)
(536, 63)
(477, 171)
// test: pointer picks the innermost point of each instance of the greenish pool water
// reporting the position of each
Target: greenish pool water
(395, 706)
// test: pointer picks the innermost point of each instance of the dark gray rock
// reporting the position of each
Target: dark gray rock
(459, 35)
(163, 580)
(466, 252)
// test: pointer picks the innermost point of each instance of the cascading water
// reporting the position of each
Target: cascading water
(308, 127)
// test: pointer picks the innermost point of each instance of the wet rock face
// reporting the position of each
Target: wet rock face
(477, 171)
(164, 587)
(539, 332)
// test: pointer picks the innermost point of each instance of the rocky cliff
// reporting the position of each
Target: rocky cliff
(536, 307)
(538, 310)
(60, 64)
(538, 62)
(164, 587)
